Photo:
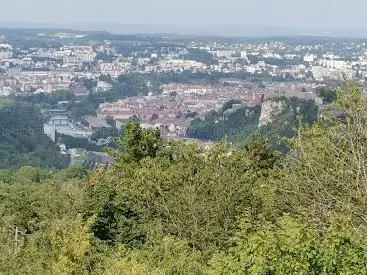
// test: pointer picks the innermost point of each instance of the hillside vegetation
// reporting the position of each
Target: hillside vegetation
(22, 141)
(237, 125)
(175, 208)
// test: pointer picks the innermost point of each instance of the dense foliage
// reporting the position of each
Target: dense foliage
(327, 95)
(225, 124)
(200, 56)
(176, 208)
(22, 138)
(237, 124)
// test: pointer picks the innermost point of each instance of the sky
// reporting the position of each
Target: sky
(295, 14)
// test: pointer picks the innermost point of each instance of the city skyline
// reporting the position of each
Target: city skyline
(233, 17)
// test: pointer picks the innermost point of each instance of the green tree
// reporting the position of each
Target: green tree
(325, 169)
(29, 173)
(328, 95)
(194, 194)
(110, 120)
(260, 152)
(138, 143)
(72, 172)
(7, 177)
(22, 140)
(290, 246)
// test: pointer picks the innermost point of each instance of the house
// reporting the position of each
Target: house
(103, 86)
(93, 122)
(79, 90)
(98, 159)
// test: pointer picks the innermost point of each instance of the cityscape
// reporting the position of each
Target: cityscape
(183, 138)
(167, 81)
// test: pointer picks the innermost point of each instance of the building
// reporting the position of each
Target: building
(93, 122)
(243, 54)
(5, 54)
(98, 158)
(103, 86)
(60, 124)
(224, 53)
(6, 51)
(309, 58)
(79, 90)
(334, 64)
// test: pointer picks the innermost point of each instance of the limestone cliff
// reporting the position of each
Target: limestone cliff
(269, 110)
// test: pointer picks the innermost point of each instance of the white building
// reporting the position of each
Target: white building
(319, 72)
(103, 86)
(6, 51)
(5, 54)
(309, 58)
(86, 57)
(224, 53)
(334, 64)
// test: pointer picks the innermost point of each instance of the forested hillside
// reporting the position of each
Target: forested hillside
(22, 141)
(236, 125)
(223, 125)
(175, 208)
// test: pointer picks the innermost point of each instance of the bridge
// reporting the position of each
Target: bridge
(102, 141)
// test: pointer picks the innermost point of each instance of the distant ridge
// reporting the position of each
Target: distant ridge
(197, 30)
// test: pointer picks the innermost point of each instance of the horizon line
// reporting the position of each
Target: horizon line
(184, 29)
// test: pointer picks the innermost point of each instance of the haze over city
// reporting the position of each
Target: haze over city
(232, 17)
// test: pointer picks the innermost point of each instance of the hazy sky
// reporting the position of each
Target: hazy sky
(270, 13)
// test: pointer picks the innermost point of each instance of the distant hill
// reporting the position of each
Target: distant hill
(231, 30)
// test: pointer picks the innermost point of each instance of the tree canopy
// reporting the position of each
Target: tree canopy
(22, 138)
(168, 207)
